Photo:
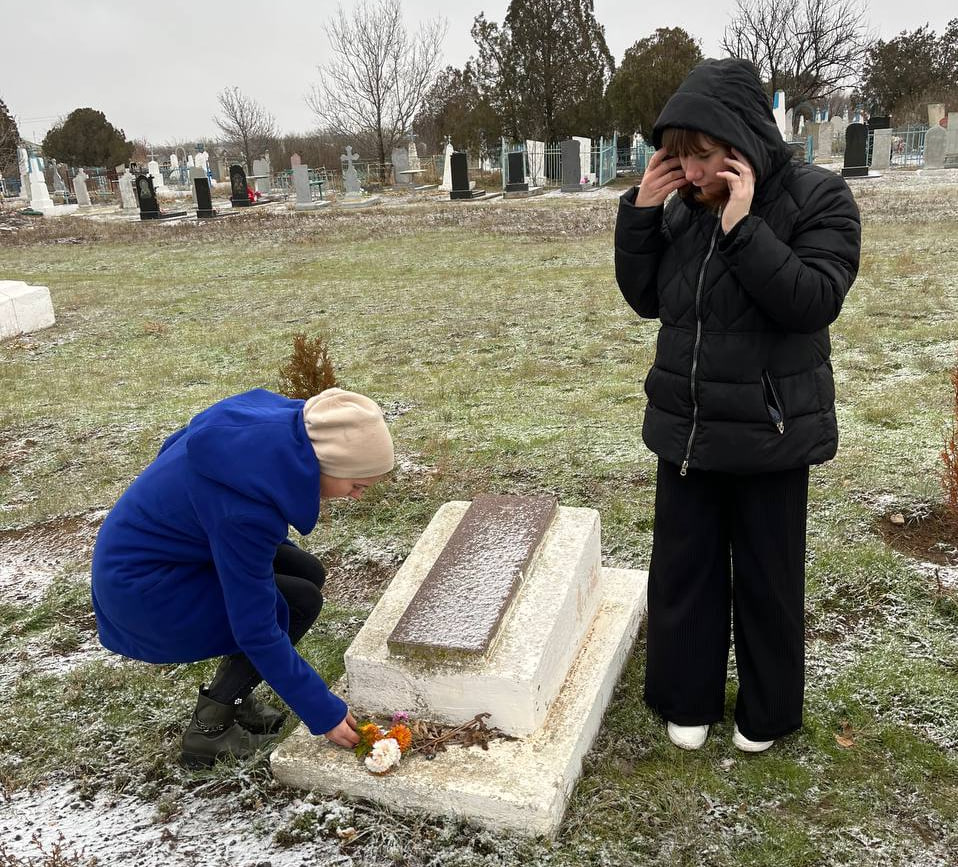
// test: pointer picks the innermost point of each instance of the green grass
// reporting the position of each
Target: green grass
(513, 366)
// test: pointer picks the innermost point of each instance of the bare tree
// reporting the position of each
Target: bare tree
(378, 75)
(811, 49)
(245, 123)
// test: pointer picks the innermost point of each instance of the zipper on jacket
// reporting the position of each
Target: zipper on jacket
(698, 343)
(776, 412)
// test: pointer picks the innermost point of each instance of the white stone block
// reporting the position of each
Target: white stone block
(24, 308)
(519, 678)
(521, 786)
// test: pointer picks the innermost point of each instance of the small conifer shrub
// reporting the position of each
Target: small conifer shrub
(309, 370)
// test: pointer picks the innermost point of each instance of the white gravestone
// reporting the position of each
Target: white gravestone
(80, 190)
(778, 109)
(24, 308)
(194, 174)
(260, 176)
(190, 161)
(951, 141)
(39, 194)
(881, 149)
(127, 196)
(536, 162)
(585, 158)
(153, 169)
(936, 114)
(446, 185)
(24, 163)
(935, 141)
(354, 193)
(174, 162)
(546, 678)
(304, 193)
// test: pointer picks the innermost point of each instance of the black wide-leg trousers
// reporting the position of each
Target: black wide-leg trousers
(728, 557)
(299, 578)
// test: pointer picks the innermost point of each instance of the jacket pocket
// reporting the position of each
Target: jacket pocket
(773, 403)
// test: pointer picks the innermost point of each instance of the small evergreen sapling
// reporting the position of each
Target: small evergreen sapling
(309, 370)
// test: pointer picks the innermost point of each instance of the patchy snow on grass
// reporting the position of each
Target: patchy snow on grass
(119, 830)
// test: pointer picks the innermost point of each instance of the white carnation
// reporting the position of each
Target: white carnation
(385, 755)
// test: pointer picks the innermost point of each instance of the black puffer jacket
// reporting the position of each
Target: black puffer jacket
(742, 380)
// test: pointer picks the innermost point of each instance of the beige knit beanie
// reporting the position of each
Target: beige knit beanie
(349, 435)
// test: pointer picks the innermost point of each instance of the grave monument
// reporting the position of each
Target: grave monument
(951, 141)
(125, 183)
(80, 190)
(501, 608)
(571, 166)
(146, 197)
(239, 189)
(881, 148)
(856, 151)
(446, 185)
(23, 160)
(461, 188)
(304, 191)
(23, 308)
(935, 141)
(354, 192)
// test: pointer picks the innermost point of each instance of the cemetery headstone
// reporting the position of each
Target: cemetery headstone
(585, 159)
(446, 185)
(196, 174)
(459, 170)
(571, 154)
(350, 175)
(146, 196)
(39, 194)
(881, 148)
(543, 665)
(295, 160)
(304, 192)
(951, 142)
(936, 114)
(125, 183)
(536, 161)
(239, 190)
(24, 164)
(203, 196)
(778, 110)
(58, 185)
(80, 190)
(413, 155)
(400, 161)
(190, 161)
(935, 141)
(516, 172)
(23, 308)
(174, 162)
(153, 169)
(856, 151)
(261, 176)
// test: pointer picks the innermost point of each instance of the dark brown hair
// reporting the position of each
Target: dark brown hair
(689, 142)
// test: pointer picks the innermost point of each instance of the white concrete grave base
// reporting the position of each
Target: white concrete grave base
(24, 308)
(521, 785)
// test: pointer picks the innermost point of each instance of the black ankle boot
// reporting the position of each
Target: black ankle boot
(258, 717)
(213, 734)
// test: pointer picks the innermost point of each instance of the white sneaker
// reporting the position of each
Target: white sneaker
(747, 746)
(687, 737)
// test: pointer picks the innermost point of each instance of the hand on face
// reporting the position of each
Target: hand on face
(741, 185)
(662, 175)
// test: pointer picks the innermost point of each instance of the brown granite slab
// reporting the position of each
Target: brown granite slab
(463, 598)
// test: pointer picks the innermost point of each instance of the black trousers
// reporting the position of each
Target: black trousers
(728, 551)
(299, 577)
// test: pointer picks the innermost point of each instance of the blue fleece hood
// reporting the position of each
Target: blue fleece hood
(256, 444)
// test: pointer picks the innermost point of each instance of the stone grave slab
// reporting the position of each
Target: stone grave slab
(461, 602)
(24, 308)
(520, 786)
(546, 680)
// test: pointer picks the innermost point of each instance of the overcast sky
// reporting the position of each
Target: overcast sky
(155, 72)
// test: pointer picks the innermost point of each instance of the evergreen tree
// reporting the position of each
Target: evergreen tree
(651, 71)
(87, 138)
(906, 73)
(9, 139)
(545, 70)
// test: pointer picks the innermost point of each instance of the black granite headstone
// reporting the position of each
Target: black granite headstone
(204, 198)
(880, 122)
(856, 151)
(460, 178)
(571, 166)
(146, 196)
(516, 173)
(239, 191)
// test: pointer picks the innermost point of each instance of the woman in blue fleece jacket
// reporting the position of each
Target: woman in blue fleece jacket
(193, 561)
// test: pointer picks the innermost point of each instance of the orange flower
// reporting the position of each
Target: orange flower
(369, 734)
(402, 735)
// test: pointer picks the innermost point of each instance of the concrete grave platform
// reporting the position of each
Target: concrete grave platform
(24, 308)
(521, 786)
(546, 678)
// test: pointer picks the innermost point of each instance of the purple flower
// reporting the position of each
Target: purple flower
(400, 717)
